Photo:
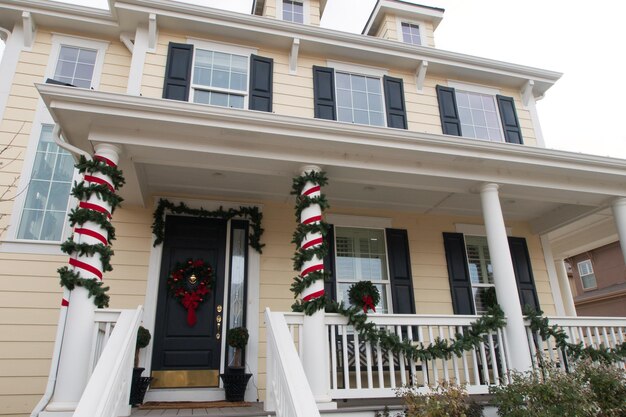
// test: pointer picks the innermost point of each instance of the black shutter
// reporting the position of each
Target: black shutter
(448, 111)
(330, 284)
(394, 101)
(400, 271)
(523, 272)
(510, 122)
(178, 71)
(458, 273)
(261, 70)
(324, 93)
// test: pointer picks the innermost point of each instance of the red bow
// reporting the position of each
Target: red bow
(368, 304)
(190, 302)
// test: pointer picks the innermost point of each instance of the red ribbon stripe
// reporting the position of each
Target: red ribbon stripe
(86, 267)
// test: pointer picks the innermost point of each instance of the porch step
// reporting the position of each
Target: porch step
(253, 410)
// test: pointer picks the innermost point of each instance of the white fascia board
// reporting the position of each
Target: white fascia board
(60, 10)
(58, 98)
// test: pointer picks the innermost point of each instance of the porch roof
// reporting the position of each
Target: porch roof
(179, 147)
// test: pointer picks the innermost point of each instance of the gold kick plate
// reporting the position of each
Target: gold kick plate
(185, 379)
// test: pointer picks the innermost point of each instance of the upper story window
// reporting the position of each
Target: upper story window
(220, 78)
(293, 11)
(480, 271)
(411, 33)
(76, 66)
(478, 112)
(587, 276)
(359, 99)
(361, 255)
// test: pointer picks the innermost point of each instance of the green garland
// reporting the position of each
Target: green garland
(251, 213)
(71, 280)
(80, 216)
(303, 255)
(575, 351)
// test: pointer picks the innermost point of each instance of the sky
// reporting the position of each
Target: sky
(583, 40)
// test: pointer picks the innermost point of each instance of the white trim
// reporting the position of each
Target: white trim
(32, 247)
(357, 69)
(474, 88)
(530, 102)
(137, 61)
(227, 48)
(475, 229)
(252, 315)
(10, 58)
(419, 23)
(43, 117)
(347, 220)
(306, 11)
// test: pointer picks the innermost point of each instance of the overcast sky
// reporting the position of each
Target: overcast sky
(583, 40)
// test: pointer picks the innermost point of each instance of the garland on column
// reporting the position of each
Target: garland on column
(83, 214)
(541, 324)
(251, 213)
(307, 253)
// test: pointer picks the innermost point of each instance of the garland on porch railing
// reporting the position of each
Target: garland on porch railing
(88, 213)
(541, 324)
(314, 248)
(251, 213)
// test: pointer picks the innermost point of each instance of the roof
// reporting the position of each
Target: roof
(403, 9)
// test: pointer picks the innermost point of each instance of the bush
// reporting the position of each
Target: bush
(237, 337)
(592, 389)
(447, 400)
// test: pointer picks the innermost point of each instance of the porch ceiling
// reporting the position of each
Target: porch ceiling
(182, 148)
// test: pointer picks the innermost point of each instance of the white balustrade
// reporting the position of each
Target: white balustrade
(288, 392)
(596, 332)
(295, 322)
(104, 320)
(361, 369)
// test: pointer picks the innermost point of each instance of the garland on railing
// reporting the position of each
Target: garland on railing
(319, 248)
(84, 213)
(251, 213)
(540, 324)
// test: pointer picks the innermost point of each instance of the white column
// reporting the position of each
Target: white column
(619, 214)
(73, 370)
(504, 278)
(14, 43)
(566, 290)
(314, 337)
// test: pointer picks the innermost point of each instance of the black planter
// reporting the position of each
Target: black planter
(235, 384)
(139, 386)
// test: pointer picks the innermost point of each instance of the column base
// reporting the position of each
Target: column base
(59, 409)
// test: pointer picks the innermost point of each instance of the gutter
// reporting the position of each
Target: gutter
(58, 341)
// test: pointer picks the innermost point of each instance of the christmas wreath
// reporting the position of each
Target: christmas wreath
(190, 282)
(364, 295)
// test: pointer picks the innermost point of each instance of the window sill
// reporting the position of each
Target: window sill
(39, 248)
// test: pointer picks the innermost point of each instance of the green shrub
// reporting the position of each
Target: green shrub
(447, 400)
(592, 389)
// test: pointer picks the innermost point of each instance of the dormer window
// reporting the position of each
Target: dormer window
(293, 11)
(411, 33)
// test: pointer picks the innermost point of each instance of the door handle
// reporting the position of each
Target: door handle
(218, 319)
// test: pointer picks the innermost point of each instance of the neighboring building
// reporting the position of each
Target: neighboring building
(598, 280)
(439, 184)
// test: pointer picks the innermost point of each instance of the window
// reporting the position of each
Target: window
(478, 116)
(43, 217)
(588, 278)
(359, 99)
(360, 255)
(411, 33)
(220, 78)
(293, 11)
(480, 271)
(76, 66)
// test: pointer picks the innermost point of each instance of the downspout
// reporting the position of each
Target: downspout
(58, 343)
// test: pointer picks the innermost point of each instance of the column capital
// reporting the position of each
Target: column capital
(309, 168)
(489, 186)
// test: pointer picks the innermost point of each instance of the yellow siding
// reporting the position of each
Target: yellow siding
(388, 28)
(315, 12)
(269, 9)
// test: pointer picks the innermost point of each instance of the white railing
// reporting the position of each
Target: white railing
(104, 320)
(359, 369)
(597, 332)
(108, 390)
(295, 321)
(288, 392)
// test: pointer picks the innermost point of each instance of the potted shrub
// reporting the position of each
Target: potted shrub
(236, 379)
(139, 384)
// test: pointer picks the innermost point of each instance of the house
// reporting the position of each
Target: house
(598, 277)
(440, 189)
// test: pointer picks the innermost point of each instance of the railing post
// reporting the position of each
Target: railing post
(504, 278)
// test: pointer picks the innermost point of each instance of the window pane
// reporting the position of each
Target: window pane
(59, 192)
(236, 101)
(238, 81)
(75, 66)
(220, 79)
(479, 260)
(202, 97)
(343, 80)
(30, 226)
(377, 119)
(84, 71)
(358, 83)
(481, 298)
(359, 99)
(478, 116)
(344, 98)
(223, 71)
(361, 117)
(219, 99)
(589, 281)
(52, 226)
(344, 114)
(68, 53)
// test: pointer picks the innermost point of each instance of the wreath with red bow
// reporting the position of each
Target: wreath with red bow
(364, 295)
(191, 282)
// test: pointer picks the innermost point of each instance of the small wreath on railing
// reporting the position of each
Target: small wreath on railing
(191, 282)
(365, 295)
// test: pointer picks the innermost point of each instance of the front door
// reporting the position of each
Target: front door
(187, 355)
